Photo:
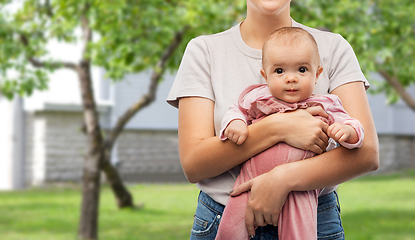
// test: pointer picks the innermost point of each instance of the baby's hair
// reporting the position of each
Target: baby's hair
(288, 36)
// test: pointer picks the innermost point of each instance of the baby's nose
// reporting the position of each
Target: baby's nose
(291, 79)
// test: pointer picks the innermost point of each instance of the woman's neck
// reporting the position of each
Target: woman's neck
(257, 27)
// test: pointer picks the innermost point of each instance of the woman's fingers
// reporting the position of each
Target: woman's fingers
(244, 187)
(268, 195)
(267, 219)
(317, 111)
(323, 139)
(275, 220)
(316, 141)
(303, 130)
(259, 219)
(250, 222)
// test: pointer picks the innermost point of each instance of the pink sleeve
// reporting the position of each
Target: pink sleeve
(340, 115)
(232, 114)
(249, 95)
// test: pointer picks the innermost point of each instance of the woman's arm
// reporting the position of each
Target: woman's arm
(269, 191)
(204, 155)
(343, 164)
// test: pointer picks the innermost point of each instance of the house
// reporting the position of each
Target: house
(395, 125)
(46, 128)
(41, 141)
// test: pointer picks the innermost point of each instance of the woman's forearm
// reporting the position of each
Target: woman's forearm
(204, 155)
(210, 157)
(329, 169)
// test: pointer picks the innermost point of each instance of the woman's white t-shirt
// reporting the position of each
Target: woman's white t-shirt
(220, 66)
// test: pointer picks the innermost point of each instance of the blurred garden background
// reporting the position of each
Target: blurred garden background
(372, 208)
(88, 145)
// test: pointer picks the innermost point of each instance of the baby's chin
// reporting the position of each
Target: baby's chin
(292, 99)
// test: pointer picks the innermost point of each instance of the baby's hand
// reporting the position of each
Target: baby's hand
(340, 132)
(237, 131)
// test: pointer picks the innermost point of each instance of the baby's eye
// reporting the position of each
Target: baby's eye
(279, 70)
(302, 69)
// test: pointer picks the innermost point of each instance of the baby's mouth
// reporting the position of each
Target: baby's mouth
(291, 90)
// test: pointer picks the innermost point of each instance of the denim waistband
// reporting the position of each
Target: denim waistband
(210, 203)
(329, 197)
(327, 200)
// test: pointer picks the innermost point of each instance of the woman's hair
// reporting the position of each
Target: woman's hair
(289, 36)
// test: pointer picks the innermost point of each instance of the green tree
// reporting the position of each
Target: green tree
(121, 36)
(382, 33)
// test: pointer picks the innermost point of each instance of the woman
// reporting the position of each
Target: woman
(214, 70)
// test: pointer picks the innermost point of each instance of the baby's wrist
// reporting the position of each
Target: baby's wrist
(353, 137)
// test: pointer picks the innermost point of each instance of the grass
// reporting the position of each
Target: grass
(53, 213)
(373, 208)
(379, 207)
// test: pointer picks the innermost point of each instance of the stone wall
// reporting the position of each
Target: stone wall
(55, 150)
(149, 155)
(55, 147)
(396, 152)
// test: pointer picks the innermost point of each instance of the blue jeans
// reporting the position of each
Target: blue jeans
(209, 213)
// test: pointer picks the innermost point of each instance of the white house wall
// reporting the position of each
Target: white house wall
(6, 144)
(395, 125)
(403, 120)
(55, 147)
(159, 115)
(12, 144)
(395, 119)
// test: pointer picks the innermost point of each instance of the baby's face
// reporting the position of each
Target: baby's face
(291, 72)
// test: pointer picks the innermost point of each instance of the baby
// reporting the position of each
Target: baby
(291, 67)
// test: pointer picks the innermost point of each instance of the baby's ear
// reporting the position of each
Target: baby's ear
(263, 74)
(319, 71)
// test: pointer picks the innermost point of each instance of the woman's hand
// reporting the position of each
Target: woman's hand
(302, 130)
(268, 195)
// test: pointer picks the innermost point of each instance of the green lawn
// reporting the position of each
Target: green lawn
(53, 214)
(379, 208)
(373, 208)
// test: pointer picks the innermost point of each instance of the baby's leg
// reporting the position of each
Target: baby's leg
(232, 225)
(298, 217)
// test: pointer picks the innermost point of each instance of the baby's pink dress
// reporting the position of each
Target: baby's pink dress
(298, 217)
